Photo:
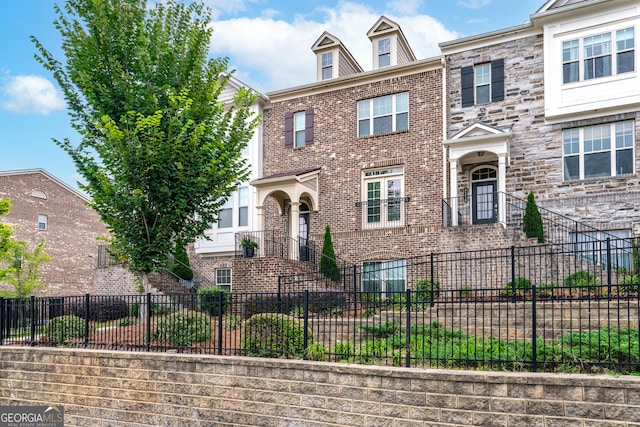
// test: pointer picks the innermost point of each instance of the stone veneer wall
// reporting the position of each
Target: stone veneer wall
(535, 150)
(104, 388)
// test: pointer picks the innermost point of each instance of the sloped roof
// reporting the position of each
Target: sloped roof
(384, 26)
(328, 40)
(48, 176)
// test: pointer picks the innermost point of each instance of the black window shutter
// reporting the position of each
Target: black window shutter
(288, 130)
(497, 80)
(467, 86)
(308, 129)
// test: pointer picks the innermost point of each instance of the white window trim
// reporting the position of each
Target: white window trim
(613, 53)
(299, 129)
(612, 150)
(233, 204)
(328, 65)
(386, 174)
(45, 222)
(476, 85)
(394, 114)
(230, 277)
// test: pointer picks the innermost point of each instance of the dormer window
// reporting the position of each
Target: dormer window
(384, 52)
(327, 65)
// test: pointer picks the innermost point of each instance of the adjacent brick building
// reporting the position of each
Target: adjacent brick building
(43, 207)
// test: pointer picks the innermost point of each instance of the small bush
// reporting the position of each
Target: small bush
(465, 292)
(520, 284)
(344, 350)
(274, 335)
(182, 329)
(101, 309)
(630, 284)
(427, 290)
(215, 300)
(581, 279)
(232, 322)
(65, 328)
(315, 351)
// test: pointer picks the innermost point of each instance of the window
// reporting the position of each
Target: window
(597, 55)
(385, 114)
(223, 278)
(243, 206)
(225, 218)
(327, 65)
(42, 222)
(298, 128)
(384, 53)
(592, 247)
(570, 61)
(385, 277)
(589, 152)
(625, 57)
(482, 83)
(384, 201)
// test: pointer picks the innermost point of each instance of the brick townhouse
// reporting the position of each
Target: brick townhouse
(43, 207)
(360, 151)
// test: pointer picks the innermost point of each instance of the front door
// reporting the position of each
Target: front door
(485, 202)
(303, 237)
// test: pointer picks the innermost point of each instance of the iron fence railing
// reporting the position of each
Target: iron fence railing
(382, 213)
(556, 329)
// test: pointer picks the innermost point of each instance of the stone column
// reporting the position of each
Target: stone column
(453, 202)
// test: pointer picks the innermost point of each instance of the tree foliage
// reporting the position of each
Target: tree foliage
(19, 266)
(159, 151)
(532, 219)
(328, 264)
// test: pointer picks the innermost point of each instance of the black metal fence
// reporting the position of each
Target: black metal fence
(533, 328)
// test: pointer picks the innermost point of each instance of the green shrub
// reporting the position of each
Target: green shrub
(232, 322)
(545, 290)
(101, 309)
(630, 284)
(344, 350)
(328, 265)
(533, 220)
(520, 284)
(181, 266)
(65, 328)
(581, 279)
(274, 335)
(383, 330)
(465, 292)
(426, 290)
(182, 329)
(215, 300)
(315, 351)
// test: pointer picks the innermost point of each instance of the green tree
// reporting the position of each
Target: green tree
(181, 266)
(328, 264)
(160, 153)
(19, 266)
(532, 219)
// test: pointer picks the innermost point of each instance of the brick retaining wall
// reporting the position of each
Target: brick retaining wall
(100, 388)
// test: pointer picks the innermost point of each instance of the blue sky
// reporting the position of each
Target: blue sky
(268, 43)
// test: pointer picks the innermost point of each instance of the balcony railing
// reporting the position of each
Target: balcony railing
(382, 213)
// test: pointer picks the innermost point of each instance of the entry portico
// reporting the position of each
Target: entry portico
(479, 146)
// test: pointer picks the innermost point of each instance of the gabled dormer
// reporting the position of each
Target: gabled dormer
(333, 59)
(389, 44)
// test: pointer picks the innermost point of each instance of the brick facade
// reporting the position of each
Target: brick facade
(133, 389)
(343, 157)
(71, 232)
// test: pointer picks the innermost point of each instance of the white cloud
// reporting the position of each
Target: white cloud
(272, 54)
(404, 7)
(31, 95)
(474, 4)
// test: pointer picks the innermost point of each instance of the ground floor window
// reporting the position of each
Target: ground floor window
(591, 246)
(223, 278)
(384, 277)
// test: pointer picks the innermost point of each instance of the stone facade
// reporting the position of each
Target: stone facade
(71, 230)
(100, 388)
(535, 160)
